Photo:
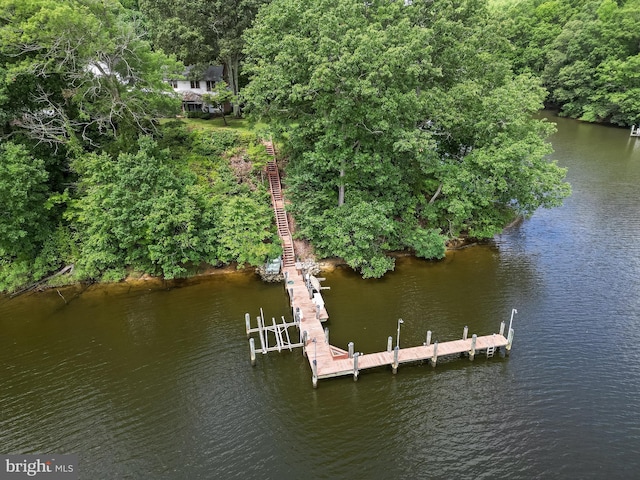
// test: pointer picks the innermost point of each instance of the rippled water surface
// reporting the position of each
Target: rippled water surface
(156, 383)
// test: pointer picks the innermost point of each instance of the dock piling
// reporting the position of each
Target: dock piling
(314, 378)
(389, 344)
(277, 334)
(350, 347)
(434, 359)
(502, 328)
(247, 321)
(304, 343)
(355, 367)
(472, 352)
(262, 334)
(326, 335)
(465, 332)
(509, 341)
(394, 366)
(252, 347)
(428, 342)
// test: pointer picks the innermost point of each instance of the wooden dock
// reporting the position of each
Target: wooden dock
(328, 361)
(309, 313)
(333, 367)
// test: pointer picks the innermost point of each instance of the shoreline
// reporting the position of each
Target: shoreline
(208, 271)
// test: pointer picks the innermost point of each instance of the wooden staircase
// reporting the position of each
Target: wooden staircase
(288, 253)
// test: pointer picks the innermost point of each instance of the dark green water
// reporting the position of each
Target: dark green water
(157, 383)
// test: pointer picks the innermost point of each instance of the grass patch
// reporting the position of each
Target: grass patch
(237, 124)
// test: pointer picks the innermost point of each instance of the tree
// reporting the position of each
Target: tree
(245, 231)
(136, 211)
(199, 31)
(583, 50)
(532, 26)
(394, 114)
(185, 28)
(85, 73)
(220, 97)
(23, 193)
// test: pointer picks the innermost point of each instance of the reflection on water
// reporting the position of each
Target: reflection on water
(156, 382)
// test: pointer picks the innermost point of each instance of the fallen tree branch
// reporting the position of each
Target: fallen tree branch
(67, 269)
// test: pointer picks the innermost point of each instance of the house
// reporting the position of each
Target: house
(193, 86)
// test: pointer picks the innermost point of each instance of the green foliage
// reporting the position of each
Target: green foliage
(23, 192)
(403, 125)
(426, 243)
(258, 155)
(134, 209)
(246, 233)
(152, 212)
(219, 97)
(82, 72)
(201, 115)
(585, 51)
(14, 273)
(359, 233)
(178, 27)
(216, 142)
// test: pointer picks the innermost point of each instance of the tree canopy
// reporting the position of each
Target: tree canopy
(89, 177)
(405, 124)
(587, 52)
(80, 72)
(200, 32)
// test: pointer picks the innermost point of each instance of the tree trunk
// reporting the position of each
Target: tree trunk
(355, 148)
(233, 64)
(341, 188)
(435, 195)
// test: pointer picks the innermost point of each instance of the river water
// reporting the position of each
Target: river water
(156, 382)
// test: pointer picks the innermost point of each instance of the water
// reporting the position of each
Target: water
(148, 382)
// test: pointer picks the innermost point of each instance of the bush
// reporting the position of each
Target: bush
(200, 115)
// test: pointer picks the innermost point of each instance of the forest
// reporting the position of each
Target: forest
(401, 126)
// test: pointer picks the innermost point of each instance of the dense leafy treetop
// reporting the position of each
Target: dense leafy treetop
(79, 71)
(586, 51)
(406, 125)
(201, 32)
